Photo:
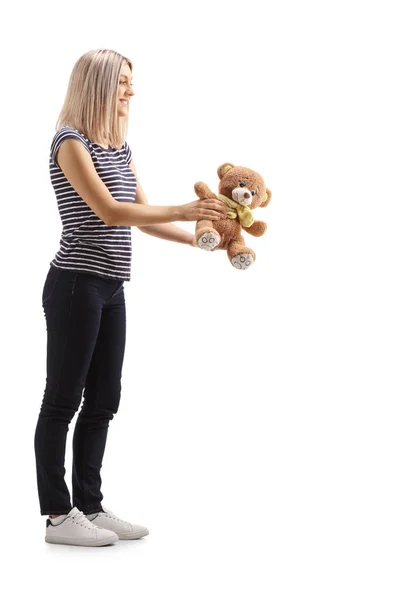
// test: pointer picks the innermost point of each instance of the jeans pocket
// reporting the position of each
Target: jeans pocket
(48, 290)
(119, 289)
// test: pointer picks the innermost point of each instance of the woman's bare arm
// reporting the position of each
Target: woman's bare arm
(77, 166)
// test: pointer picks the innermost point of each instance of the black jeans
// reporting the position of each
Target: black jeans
(86, 328)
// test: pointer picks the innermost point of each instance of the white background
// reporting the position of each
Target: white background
(257, 436)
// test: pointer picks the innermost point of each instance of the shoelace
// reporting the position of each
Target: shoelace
(111, 514)
(80, 519)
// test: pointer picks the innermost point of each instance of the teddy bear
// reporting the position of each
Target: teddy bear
(242, 190)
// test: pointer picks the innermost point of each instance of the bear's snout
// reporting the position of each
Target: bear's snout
(242, 196)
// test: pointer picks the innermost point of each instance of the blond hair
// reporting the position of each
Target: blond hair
(91, 100)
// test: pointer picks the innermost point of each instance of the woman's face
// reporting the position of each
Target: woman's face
(125, 91)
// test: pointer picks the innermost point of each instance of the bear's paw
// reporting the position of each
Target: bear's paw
(208, 240)
(242, 261)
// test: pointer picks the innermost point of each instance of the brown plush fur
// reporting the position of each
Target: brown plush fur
(230, 230)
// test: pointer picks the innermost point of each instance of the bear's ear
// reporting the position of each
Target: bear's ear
(223, 169)
(266, 199)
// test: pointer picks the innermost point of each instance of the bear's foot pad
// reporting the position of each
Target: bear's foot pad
(242, 261)
(208, 240)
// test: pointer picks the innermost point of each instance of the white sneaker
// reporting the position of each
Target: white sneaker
(77, 530)
(124, 529)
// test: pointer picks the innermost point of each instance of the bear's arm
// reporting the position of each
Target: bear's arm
(203, 191)
(257, 229)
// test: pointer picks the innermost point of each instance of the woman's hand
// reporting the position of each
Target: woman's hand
(211, 209)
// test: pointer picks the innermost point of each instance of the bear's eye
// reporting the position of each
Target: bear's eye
(253, 192)
(242, 184)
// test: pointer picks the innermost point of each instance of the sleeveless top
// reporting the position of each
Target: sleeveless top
(87, 244)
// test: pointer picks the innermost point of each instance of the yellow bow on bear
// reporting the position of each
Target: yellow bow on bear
(238, 210)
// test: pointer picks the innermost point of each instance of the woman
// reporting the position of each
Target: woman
(99, 198)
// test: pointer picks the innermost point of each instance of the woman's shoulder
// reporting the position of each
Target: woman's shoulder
(62, 134)
(67, 129)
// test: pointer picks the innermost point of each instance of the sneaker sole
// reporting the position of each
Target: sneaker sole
(112, 539)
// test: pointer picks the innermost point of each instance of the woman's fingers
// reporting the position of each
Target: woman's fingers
(212, 215)
(213, 205)
(206, 208)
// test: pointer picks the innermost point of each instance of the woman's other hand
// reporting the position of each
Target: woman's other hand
(210, 209)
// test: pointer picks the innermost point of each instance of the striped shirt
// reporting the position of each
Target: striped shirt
(87, 244)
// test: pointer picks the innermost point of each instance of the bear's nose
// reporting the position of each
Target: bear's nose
(246, 195)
